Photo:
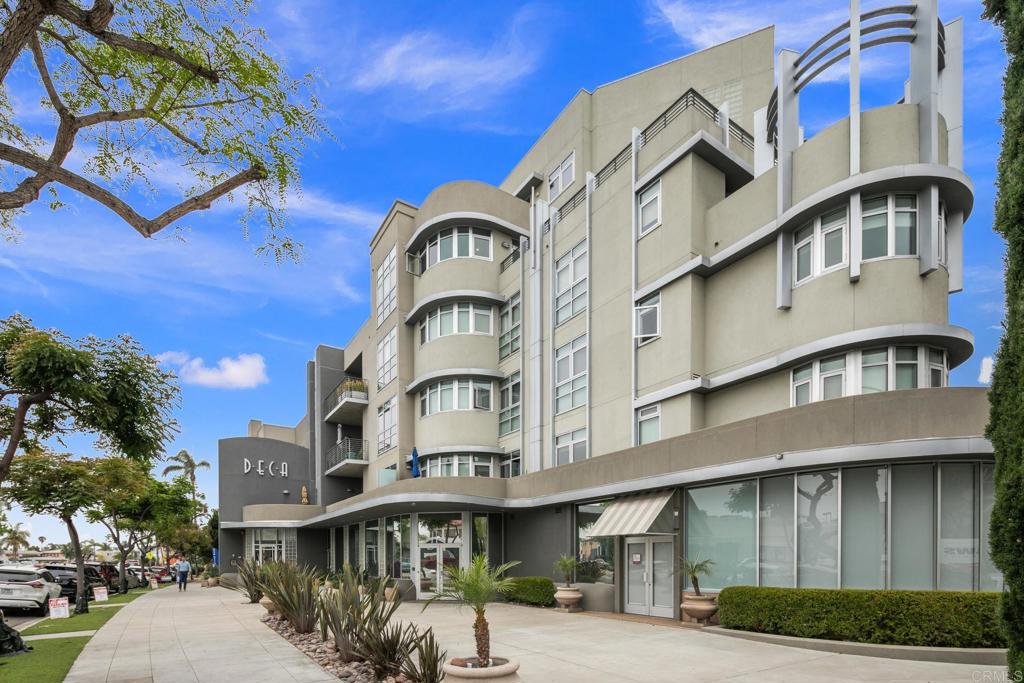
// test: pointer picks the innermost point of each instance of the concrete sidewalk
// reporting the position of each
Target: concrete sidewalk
(203, 634)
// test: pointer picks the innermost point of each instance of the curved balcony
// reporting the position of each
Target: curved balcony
(469, 202)
(454, 352)
(457, 429)
(346, 402)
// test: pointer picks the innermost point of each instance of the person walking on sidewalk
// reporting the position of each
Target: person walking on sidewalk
(184, 568)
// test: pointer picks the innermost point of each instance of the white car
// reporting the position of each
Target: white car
(27, 588)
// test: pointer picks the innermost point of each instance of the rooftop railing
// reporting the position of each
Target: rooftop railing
(509, 260)
(346, 449)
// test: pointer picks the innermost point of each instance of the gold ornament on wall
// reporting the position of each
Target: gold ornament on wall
(305, 495)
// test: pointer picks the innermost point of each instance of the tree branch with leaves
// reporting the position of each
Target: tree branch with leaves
(148, 89)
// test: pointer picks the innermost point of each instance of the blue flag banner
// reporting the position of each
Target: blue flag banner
(415, 463)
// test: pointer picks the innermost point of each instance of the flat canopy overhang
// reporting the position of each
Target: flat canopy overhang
(647, 513)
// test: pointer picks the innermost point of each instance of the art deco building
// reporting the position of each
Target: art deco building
(678, 327)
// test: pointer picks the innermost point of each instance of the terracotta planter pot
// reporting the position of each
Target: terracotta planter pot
(268, 605)
(700, 607)
(568, 598)
(501, 670)
(213, 581)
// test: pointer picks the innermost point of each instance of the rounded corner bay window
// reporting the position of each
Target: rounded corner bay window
(455, 394)
(461, 242)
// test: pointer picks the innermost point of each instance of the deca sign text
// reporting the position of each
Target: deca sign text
(271, 467)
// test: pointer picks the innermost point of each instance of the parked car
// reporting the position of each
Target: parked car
(133, 576)
(67, 576)
(27, 588)
(164, 574)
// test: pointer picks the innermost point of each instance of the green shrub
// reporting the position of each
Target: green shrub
(936, 618)
(213, 571)
(250, 574)
(533, 590)
(426, 663)
(295, 592)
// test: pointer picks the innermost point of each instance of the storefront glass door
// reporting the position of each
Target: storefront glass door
(431, 571)
(649, 586)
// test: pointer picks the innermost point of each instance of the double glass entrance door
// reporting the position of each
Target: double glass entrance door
(433, 561)
(649, 585)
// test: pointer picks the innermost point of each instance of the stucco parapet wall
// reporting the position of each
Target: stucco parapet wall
(279, 512)
(472, 202)
(890, 426)
(428, 303)
(437, 375)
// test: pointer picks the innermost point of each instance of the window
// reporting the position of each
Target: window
(720, 526)
(396, 544)
(647, 319)
(889, 226)
(832, 373)
(906, 367)
(457, 465)
(571, 447)
(571, 375)
(936, 368)
(596, 553)
(802, 377)
(455, 394)
(650, 209)
(387, 425)
(943, 233)
(387, 287)
(648, 424)
(509, 396)
(463, 242)
(371, 546)
(511, 465)
(562, 176)
(874, 371)
(820, 246)
(387, 357)
(462, 318)
(817, 529)
(508, 325)
(571, 283)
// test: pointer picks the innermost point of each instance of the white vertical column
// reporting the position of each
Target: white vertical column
(856, 245)
(854, 87)
(634, 146)
(591, 183)
(955, 250)
(764, 153)
(928, 228)
(723, 121)
(788, 135)
(533, 314)
(924, 78)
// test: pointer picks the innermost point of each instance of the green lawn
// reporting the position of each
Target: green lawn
(119, 599)
(48, 662)
(78, 622)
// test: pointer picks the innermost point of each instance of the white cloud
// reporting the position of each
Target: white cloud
(985, 372)
(246, 371)
(449, 73)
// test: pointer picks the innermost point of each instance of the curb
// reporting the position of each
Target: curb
(947, 655)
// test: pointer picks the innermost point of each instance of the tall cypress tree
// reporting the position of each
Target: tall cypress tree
(1006, 418)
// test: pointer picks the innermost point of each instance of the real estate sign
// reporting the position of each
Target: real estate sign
(99, 594)
(59, 608)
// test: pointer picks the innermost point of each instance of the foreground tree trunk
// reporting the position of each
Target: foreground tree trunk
(81, 591)
(483, 639)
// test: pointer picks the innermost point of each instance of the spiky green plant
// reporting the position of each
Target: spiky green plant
(476, 586)
(696, 568)
(342, 610)
(426, 663)
(565, 566)
(295, 592)
(248, 581)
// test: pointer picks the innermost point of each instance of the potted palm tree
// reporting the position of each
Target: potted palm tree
(476, 586)
(568, 596)
(698, 605)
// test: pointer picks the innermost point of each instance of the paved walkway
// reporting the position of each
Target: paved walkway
(203, 634)
(206, 634)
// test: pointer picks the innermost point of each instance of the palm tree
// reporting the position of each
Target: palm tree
(42, 542)
(476, 586)
(16, 538)
(184, 462)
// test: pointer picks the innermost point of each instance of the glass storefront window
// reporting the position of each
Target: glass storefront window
(396, 543)
(720, 526)
(865, 501)
(480, 546)
(777, 532)
(596, 553)
(372, 547)
(353, 547)
(818, 529)
(957, 517)
(439, 528)
(913, 527)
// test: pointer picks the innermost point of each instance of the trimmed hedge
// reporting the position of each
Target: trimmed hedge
(890, 617)
(533, 590)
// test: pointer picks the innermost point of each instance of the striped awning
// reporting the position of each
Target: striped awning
(634, 516)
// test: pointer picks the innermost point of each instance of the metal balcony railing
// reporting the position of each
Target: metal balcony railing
(346, 449)
(509, 260)
(350, 387)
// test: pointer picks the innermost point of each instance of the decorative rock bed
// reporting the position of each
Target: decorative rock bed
(323, 654)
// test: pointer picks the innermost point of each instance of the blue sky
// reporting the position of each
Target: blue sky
(415, 94)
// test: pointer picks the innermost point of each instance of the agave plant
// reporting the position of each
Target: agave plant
(426, 663)
(295, 593)
(696, 568)
(476, 586)
(250, 574)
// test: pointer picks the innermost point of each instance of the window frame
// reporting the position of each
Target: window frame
(654, 190)
(557, 175)
(815, 241)
(387, 286)
(387, 366)
(890, 212)
(457, 463)
(508, 462)
(648, 414)
(569, 440)
(568, 262)
(456, 387)
(430, 254)
(426, 335)
(572, 381)
(651, 302)
(387, 434)
(510, 318)
(510, 408)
